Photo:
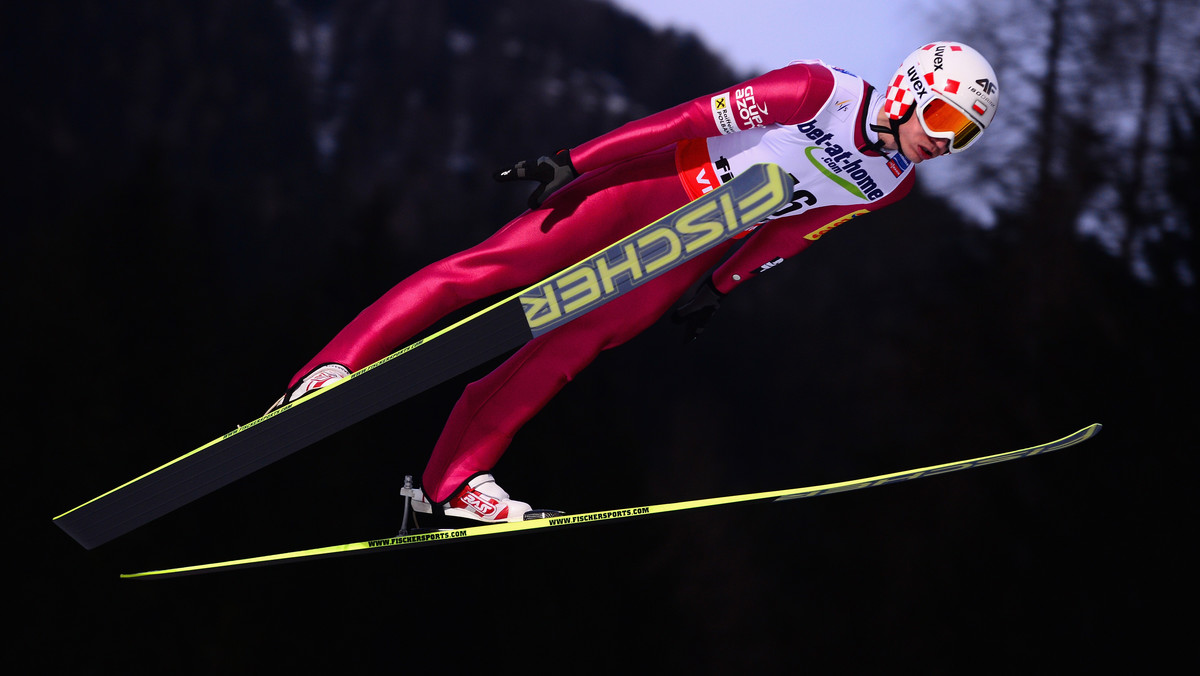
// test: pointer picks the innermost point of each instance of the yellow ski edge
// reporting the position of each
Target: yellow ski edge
(633, 512)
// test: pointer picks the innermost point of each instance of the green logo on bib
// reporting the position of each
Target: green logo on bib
(825, 169)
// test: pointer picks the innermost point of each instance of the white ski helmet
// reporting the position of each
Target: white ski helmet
(950, 87)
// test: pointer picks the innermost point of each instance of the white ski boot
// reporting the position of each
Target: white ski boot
(481, 499)
(319, 377)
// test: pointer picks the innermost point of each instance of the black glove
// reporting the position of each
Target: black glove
(695, 313)
(552, 172)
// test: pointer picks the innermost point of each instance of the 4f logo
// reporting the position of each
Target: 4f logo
(987, 85)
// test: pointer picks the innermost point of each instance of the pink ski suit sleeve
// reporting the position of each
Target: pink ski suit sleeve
(789, 95)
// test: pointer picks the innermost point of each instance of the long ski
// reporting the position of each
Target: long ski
(506, 325)
(483, 531)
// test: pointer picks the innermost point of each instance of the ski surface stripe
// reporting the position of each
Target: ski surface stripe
(492, 530)
(504, 326)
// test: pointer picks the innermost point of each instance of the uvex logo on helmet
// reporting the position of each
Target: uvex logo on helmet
(952, 89)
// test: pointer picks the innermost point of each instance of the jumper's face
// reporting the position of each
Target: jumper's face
(919, 146)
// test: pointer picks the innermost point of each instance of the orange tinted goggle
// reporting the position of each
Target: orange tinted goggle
(940, 117)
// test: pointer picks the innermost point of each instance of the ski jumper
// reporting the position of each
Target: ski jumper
(811, 119)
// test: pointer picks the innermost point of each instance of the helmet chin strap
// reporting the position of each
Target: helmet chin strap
(893, 129)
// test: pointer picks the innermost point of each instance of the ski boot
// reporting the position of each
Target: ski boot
(316, 379)
(480, 499)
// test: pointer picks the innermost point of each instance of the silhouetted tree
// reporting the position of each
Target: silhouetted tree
(1084, 140)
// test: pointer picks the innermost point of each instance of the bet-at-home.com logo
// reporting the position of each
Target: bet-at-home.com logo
(840, 165)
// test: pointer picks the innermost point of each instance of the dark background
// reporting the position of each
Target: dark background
(201, 199)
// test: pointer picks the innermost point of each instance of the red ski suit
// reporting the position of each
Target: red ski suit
(629, 178)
